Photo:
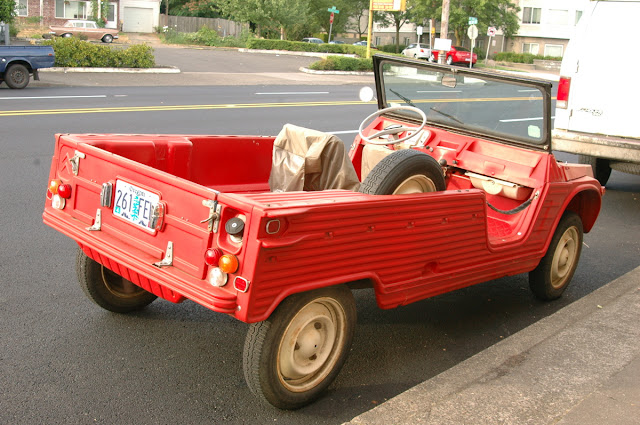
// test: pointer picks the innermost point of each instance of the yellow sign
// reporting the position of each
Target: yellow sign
(389, 5)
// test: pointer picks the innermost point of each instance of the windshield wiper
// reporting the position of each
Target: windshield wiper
(446, 115)
(406, 99)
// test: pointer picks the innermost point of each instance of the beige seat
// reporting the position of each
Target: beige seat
(310, 160)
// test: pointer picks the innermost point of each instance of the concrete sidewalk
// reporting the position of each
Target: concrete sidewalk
(579, 366)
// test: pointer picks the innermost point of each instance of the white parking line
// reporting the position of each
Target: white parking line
(296, 92)
(50, 97)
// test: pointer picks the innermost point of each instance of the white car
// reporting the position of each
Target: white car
(417, 51)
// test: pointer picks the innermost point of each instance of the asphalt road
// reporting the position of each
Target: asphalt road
(65, 361)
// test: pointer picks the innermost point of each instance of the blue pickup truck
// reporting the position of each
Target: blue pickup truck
(17, 63)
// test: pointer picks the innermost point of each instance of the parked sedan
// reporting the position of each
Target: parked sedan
(457, 54)
(417, 51)
(86, 28)
(363, 43)
(312, 40)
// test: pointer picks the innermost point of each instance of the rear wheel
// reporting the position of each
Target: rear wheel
(449, 60)
(292, 357)
(555, 271)
(108, 289)
(17, 76)
(403, 172)
(601, 167)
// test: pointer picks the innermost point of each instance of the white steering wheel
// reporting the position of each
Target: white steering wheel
(394, 129)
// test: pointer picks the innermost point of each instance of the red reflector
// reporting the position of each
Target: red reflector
(241, 284)
(212, 256)
(563, 92)
(64, 190)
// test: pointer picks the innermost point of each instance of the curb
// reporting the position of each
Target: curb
(537, 375)
(169, 70)
(293, 53)
(313, 71)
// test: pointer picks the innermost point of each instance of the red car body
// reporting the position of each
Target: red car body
(456, 55)
(503, 211)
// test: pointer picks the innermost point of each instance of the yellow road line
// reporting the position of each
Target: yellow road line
(27, 112)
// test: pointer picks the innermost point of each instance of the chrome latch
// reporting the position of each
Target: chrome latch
(157, 216)
(106, 194)
(97, 224)
(214, 214)
(168, 257)
(75, 162)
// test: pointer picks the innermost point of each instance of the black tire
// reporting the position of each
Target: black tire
(432, 58)
(554, 273)
(107, 38)
(17, 76)
(291, 358)
(601, 167)
(66, 35)
(450, 60)
(108, 289)
(404, 171)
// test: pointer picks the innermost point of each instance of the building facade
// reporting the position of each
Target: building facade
(125, 15)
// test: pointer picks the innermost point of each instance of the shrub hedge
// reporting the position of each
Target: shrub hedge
(204, 37)
(73, 52)
(342, 63)
(522, 57)
(299, 46)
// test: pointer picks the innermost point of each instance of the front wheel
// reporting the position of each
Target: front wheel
(449, 60)
(108, 38)
(108, 289)
(17, 76)
(292, 357)
(552, 276)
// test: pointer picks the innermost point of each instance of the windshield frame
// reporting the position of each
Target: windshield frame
(543, 86)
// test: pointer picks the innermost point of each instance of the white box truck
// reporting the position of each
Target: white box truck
(598, 103)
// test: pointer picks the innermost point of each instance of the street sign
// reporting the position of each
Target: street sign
(472, 32)
(333, 10)
(419, 30)
(473, 20)
(491, 31)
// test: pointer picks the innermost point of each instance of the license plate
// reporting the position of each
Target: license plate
(134, 204)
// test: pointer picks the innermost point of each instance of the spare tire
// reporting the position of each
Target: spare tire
(403, 172)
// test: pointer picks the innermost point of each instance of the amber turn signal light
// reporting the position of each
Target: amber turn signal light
(228, 263)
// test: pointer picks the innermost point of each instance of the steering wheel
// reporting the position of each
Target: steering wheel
(393, 130)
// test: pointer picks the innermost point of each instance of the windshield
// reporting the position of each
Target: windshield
(485, 104)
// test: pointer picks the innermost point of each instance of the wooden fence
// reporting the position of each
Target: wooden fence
(193, 24)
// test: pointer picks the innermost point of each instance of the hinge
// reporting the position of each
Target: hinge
(168, 257)
(97, 223)
(75, 162)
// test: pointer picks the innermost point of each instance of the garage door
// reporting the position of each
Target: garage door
(137, 19)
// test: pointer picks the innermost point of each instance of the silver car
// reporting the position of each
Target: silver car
(417, 51)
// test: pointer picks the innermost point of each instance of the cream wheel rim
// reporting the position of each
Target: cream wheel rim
(311, 345)
(415, 184)
(564, 257)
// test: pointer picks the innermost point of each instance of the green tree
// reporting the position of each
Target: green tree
(7, 11)
(397, 19)
(270, 16)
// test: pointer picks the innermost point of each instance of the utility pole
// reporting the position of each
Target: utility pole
(444, 28)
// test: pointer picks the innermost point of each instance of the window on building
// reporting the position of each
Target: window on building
(532, 48)
(407, 40)
(22, 8)
(578, 16)
(553, 50)
(377, 43)
(71, 9)
(531, 15)
(557, 17)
